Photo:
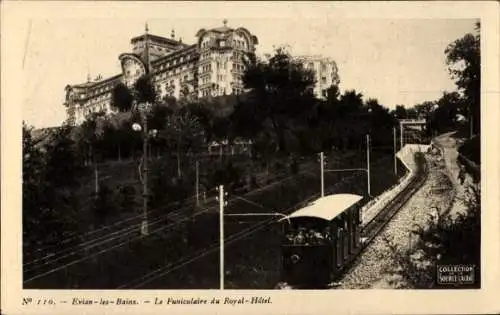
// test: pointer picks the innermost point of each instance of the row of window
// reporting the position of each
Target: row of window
(205, 44)
(310, 65)
(238, 55)
(99, 98)
(203, 69)
(239, 43)
(221, 78)
(209, 91)
(166, 74)
(239, 67)
(96, 91)
(172, 82)
(205, 80)
(205, 92)
(205, 55)
(87, 110)
(206, 68)
(237, 80)
(175, 62)
(220, 65)
(222, 43)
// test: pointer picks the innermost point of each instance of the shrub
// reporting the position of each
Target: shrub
(471, 149)
(450, 240)
(105, 204)
(127, 198)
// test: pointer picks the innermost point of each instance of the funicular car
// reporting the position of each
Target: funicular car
(319, 239)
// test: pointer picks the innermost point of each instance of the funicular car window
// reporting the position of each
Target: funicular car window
(338, 241)
(357, 216)
(308, 231)
(345, 234)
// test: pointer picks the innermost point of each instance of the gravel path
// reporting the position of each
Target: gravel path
(450, 146)
(373, 267)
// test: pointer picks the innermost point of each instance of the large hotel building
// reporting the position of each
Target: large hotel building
(212, 66)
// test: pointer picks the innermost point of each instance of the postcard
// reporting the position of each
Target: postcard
(250, 157)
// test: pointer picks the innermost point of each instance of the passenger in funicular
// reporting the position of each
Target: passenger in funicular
(308, 236)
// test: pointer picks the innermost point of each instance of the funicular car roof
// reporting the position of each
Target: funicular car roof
(328, 207)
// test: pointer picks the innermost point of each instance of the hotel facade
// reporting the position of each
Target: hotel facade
(213, 66)
(325, 70)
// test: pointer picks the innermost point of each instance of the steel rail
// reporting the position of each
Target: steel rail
(377, 224)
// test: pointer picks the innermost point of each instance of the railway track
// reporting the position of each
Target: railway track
(104, 241)
(121, 233)
(96, 242)
(377, 224)
(230, 239)
(380, 221)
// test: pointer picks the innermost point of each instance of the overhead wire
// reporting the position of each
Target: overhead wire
(73, 236)
(76, 235)
(260, 189)
(108, 249)
(68, 240)
(94, 243)
(122, 232)
(189, 258)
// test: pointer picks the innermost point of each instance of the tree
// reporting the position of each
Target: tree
(205, 116)
(89, 134)
(323, 119)
(346, 118)
(411, 113)
(380, 123)
(33, 187)
(333, 94)
(400, 112)
(63, 160)
(144, 90)
(351, 102)
(105, 204)
(122, 98)
(463, 57)
(424, 109)
(132, 99)
(183, 133)
(444, 116)
(60, 204)
(280, 93)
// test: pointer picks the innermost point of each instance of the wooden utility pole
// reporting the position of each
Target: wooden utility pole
(197, 188)
(322, 162)
(221, 232)
(144, 227)
(395, 151)
(368, 164)
(401, 134)
(96, 179)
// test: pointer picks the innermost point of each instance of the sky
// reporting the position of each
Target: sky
(397, 61)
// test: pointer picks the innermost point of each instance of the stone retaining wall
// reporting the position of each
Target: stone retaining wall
(407, 156)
